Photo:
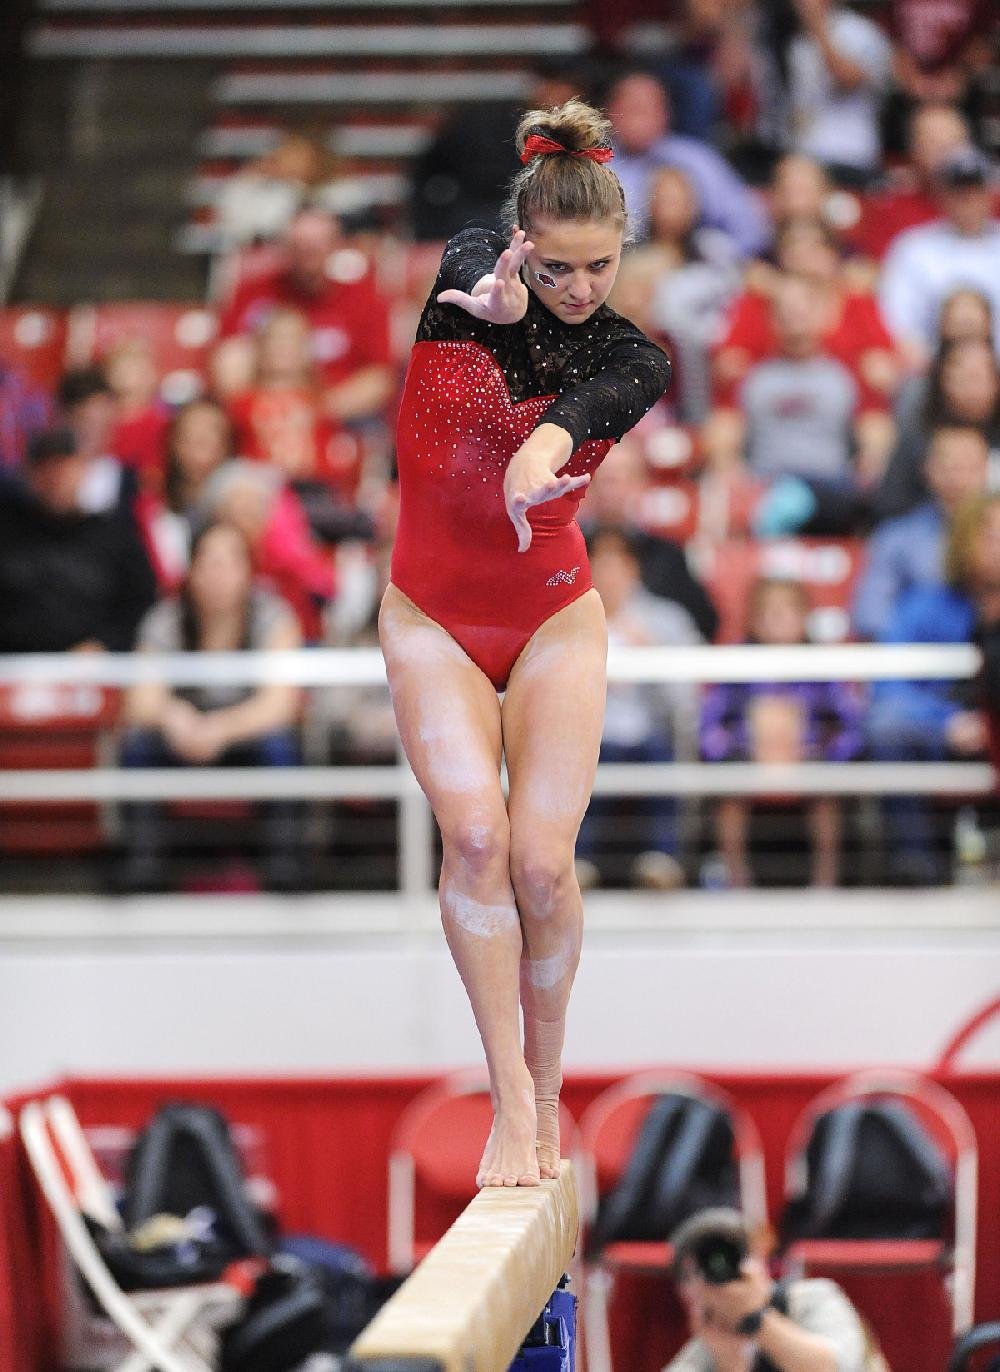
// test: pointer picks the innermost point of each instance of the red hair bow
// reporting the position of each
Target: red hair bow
(537, 145)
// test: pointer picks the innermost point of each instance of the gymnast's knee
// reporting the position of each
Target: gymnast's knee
(477, 842)
(542, 875)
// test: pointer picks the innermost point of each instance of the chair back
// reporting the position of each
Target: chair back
(950, 1128)
(435, 1153)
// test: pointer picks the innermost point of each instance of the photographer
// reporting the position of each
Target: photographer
(742, 1321)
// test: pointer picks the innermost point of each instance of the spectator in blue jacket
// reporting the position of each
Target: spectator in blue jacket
(931, 721)
(908, 551)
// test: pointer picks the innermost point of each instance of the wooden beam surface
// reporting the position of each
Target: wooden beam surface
(469, 1304)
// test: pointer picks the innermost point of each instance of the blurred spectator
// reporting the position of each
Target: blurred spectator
(259, 201)
(803, 1325)
(780, 723)
(940, 48)
(963, 388)
(618, 497)
(928, 721)
(678, 285)
(802, 418)
(639, 109)
(936, 132)
(88, 405)
(140, 430)
(461, 177)
(25, 410)
(348, 320)
(642, 722)
(839, 68)
(220, 608)
(199, 441)
(709, 70)
(853, 330)
(267, 512)
(908, 551)
(799, 189)
(926, 264)
(71, 577)
(281, 420)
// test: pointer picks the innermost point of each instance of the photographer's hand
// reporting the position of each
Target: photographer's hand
(731, 1302)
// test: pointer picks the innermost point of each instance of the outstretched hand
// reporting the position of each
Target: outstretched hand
(530, 479)
(500, 297)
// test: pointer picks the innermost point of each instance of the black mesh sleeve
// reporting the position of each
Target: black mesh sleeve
(633, 375)
(472, 253)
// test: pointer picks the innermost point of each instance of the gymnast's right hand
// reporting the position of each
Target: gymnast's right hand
(500, 297)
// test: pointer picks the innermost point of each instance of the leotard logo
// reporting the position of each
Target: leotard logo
(563, 578)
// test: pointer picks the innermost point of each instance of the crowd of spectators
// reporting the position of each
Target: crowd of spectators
(815, 242)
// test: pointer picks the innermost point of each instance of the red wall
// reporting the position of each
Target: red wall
(326, 1147)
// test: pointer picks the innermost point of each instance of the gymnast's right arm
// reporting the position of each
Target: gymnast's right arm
(479, 273)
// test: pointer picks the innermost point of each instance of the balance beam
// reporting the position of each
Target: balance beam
(469, 1305)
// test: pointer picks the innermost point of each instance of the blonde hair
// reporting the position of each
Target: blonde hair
(560, 185)
(966, 526)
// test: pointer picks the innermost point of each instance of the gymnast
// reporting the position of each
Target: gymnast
(520, 381)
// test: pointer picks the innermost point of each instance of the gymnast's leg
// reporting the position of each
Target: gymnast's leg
(553, 712)
(448, 717)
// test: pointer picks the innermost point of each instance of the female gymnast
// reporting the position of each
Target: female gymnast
(520, 380)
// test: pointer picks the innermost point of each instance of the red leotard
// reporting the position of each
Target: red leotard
(474, 392)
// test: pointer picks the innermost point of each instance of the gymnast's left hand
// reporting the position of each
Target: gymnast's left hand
(532, 477)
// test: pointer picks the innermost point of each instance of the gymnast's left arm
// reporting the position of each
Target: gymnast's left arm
(607, 405)
(634, 373)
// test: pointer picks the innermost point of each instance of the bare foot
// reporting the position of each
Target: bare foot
(509, 1157)
(547, 1133)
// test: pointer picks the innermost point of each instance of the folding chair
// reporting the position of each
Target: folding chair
(952, 1130)
(160, 1325)
(434, 1155)
(608, 1131)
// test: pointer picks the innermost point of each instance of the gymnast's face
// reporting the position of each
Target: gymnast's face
(573, 265)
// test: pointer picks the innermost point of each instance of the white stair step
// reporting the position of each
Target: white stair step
(302, 40)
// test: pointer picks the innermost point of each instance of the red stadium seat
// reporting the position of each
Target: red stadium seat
(181, 337)
(608, 1133)
(950, 1127)
(672, 509)
(433, 1160)
(827, 567)
(44, 726)
(34, 339)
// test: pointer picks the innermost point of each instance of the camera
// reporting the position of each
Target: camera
(719, 1258)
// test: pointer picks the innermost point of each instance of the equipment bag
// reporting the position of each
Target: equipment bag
(872, 1172)
(185, 1160)
(684, 1160)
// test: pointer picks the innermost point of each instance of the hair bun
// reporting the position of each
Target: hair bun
(575, 125)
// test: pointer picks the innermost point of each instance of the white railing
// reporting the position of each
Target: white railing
(34, 678)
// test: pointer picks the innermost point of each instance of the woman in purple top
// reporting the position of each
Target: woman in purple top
(781, 723)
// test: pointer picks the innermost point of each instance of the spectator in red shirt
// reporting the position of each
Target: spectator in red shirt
(139, 436)
(940, 45)
(936, 131)
(348, 320)
(853, 329)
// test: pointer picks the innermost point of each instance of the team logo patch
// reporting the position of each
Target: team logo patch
(563, 578)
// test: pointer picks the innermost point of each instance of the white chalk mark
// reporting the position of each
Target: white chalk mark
(484, 921)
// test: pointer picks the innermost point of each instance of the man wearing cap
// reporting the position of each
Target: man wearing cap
(70, 579)
(962, 249)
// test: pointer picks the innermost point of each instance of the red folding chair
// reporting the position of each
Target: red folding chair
(433, 1159)
(952, 1130)
(966, 1032)
(608, 1133)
